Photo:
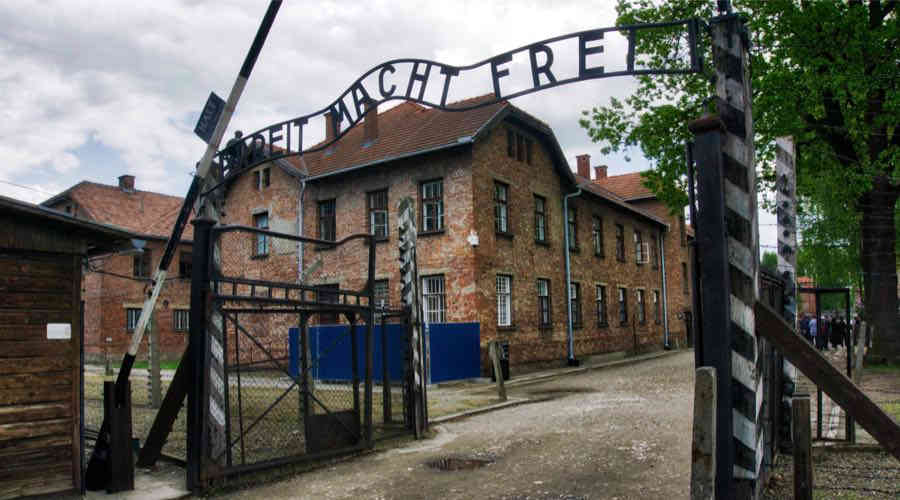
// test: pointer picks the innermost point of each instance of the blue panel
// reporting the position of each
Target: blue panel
(455, 351)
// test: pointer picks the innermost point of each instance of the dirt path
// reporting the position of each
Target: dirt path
(617, 433)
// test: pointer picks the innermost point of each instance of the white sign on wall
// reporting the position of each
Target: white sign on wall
(59, 331)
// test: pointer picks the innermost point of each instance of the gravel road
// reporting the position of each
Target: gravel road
(617, 433)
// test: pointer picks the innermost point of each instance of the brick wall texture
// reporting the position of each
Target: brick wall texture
(469, 174)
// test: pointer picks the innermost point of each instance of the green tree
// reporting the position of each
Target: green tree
(769, 261)
(824, 72)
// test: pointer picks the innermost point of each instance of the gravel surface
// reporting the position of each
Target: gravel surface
(621, 433)
(840, 475)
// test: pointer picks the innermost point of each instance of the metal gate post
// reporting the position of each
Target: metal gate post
(197, 331)
(369, 344)
(714, 345)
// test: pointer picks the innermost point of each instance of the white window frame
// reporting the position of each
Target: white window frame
(433, 207)
(602, 307)
(501, 207)
(641, 306)
(504, 300)
(434, 301)
(181, 320)
(132, 315)
(543, 293)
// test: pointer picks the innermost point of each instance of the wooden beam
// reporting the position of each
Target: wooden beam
(802, 436)
(165, 417)
(840, 388)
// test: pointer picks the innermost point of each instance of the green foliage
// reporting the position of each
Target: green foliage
(769, 261)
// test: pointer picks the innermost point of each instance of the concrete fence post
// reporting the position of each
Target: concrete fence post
(703, 448)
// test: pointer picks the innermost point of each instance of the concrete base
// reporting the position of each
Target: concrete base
(165, 482)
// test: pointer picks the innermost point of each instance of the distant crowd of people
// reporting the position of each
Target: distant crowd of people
(830, 329)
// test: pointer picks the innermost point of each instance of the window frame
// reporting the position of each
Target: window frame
(437, 201)
(638, 247)
(371, 211)
(325, 221)
(602, 306)
(620, 243)
(501, 208)
(597, 235)
(622, 296)
(540, 219)
(572, 222)
(182, 263)
(142, 264)
(657, 310)
(441, 297)
(330, 290)
(186, 314)
(654, 251)
(544, 307)
(261, 241)
(508, 279)
(641, 305)
(132, 317)
(575, 293)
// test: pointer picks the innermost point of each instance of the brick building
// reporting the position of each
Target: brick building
(488, 185)
(675, 243)
(114, 286)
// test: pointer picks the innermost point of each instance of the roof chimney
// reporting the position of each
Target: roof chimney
(584, 165)
(126, 183)
(370, 123)
(600, 172)
(329, 127)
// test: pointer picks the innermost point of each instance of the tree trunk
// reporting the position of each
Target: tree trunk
(879, 265)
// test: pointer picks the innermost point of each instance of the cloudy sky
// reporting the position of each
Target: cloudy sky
(95, 89)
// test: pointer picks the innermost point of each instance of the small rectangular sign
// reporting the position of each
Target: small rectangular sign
(59, 331)
(209, 118)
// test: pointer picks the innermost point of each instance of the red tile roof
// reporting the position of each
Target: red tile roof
(626, 186)
(404, 130)
(586, 184)
(142, 212)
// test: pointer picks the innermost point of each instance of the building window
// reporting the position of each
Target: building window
(433, 298)
(528, 148)
(182, 319)
(328, 294)
(142, 263)
(641, 310)
(540, 219)
(575, 292)
(572, 221)
(504, 300)
(543, 296)
(601, 306)
(685, 279)
(620, 243)
(657, 312)
(623, 306)
(654, 251)
(382, 294)
(262, 178)
(377, 202)
(327, 220)
(683, 231)
(185, 266)
(638, 248)
(501, 207)
(132, 315)
(433, 206)
(597, 236)
(520, 147)
(510, 144)
(261, 221)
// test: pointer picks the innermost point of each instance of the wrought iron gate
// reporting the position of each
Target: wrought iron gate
(264, 402)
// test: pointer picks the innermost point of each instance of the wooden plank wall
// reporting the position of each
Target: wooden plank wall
(40, 448)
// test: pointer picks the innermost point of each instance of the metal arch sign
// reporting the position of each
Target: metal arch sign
(515, 73)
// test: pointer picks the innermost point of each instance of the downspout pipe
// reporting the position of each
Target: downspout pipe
(569, 336)
(665, 293)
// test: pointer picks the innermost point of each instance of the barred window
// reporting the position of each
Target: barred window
(433, 205)
(641, 310)
(656, 309)
(597, 236)
(623, 306)
(327, 220)
(601, 306)
(572, 221)
(182, 319)
(638, 247)
(575, 292)
(540, 218)
(261, 221)
(654, 251)
(543, 296)
(328, 294)
(382, 294)
(132, 315)
(501, 207)
(504, 300)
(433, 298)
(377, 202)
